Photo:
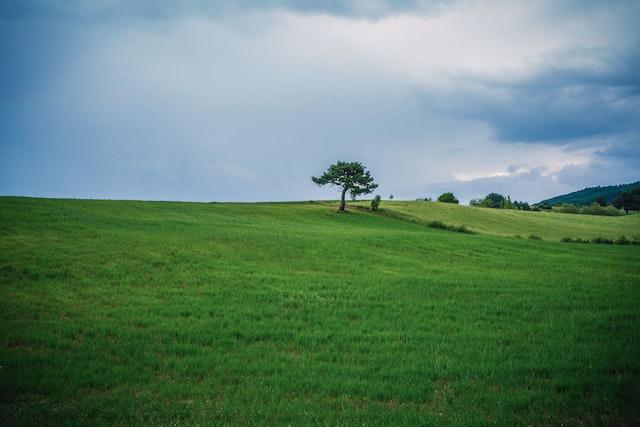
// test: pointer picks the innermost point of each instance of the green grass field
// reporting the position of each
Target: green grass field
(117, 312)
(504, 222)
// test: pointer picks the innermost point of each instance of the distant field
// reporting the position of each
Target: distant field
(504, 222)
(191, 313)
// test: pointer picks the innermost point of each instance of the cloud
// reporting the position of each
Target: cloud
(245, 101)
(562, 95)
(152, 9)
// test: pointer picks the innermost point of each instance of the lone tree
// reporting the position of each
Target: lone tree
(347, 176)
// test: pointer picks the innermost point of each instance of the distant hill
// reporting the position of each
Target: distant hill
(590, 194)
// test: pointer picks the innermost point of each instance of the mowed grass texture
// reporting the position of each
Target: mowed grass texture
(182, 313)
(506, 222)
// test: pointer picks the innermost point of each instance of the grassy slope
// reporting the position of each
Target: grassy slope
(503, 222)
(164, 313)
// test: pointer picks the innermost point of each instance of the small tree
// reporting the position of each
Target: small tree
(375, 202)
(448, 198)
(347, 176)
(391, 197)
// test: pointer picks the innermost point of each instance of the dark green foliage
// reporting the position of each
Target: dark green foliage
(494, 200)
(498, 201)
(448, 198)
(622, 240)
(629, 200)
(391, 197)
(593, 209)
(349, 177)
(375, 202)
(567, 208)
(589, 195)
(534, 237)
(602, 240)
(442, 226)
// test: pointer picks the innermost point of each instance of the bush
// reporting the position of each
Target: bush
(602, 240)
(623, 241)
(448, 198)
(597, 209)
(566, 208)
(439, 224)
(593, 209)
(463, 229)
(572, 240)
(375, 202)
(442, 226)
(536, 209)
(534, 237)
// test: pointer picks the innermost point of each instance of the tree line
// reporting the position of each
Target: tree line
(355, 179)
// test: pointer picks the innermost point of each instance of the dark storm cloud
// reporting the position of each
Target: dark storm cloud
(573, 93)
(154, 9)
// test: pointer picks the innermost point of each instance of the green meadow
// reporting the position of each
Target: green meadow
(163, 313)
(507, 222)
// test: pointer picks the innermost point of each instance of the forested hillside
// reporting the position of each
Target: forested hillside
(590, 194)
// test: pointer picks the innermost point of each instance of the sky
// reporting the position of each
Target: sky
(246, 100)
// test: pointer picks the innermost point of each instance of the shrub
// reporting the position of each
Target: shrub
(438, 224)
(597, 209)
(623, 241)
(536, 209)
(463, 229)
(534, 237)
(442, 226)
(375, 202)
(566, 208)
(592, 209)
(602, 240)
(448, 198)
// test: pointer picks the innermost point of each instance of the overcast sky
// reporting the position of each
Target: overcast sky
(245, 100)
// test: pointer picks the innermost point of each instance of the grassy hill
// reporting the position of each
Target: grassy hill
(588, 195)
(187, 313)
(505, 222)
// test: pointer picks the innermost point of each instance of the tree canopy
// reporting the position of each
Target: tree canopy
(349, 177)
(448, 198)
(629, 200)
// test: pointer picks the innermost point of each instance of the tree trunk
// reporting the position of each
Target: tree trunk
(342, 202)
